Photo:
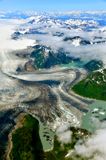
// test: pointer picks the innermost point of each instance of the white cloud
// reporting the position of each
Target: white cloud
(88, 52)
(64, 134)
(6, 30)
(8, 61)
(97, 51)
(94, 147)
(65, 137)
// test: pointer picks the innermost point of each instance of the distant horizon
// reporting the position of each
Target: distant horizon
(55, 11)
(53, 6)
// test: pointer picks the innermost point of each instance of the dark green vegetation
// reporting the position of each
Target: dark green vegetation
(60, 151)
(26, 141)
(44, 57)
(93, 65)
(94, 86)
(27, 144)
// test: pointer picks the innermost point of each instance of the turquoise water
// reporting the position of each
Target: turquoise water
(46, 136)
(96, 117)
(73, 65)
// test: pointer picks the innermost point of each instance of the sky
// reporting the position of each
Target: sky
(52, 5)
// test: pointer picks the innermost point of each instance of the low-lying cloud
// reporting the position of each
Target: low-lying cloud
(94, 147)
(7, 28)
(86, 52)
(64, 134)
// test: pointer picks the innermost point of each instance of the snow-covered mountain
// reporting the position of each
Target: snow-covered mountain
(76, 33)
(59, 26)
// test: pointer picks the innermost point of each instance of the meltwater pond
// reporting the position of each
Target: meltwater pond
(96, 117)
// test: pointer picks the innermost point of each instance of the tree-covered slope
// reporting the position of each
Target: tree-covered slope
(26, 141)
(94, 86)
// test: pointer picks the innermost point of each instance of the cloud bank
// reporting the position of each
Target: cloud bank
(53, 32)
(7, 28)
(64, 134)
(94, 147)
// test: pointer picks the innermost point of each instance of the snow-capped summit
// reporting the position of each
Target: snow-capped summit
(90, 23)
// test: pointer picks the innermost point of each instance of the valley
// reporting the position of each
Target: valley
(52, 86)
